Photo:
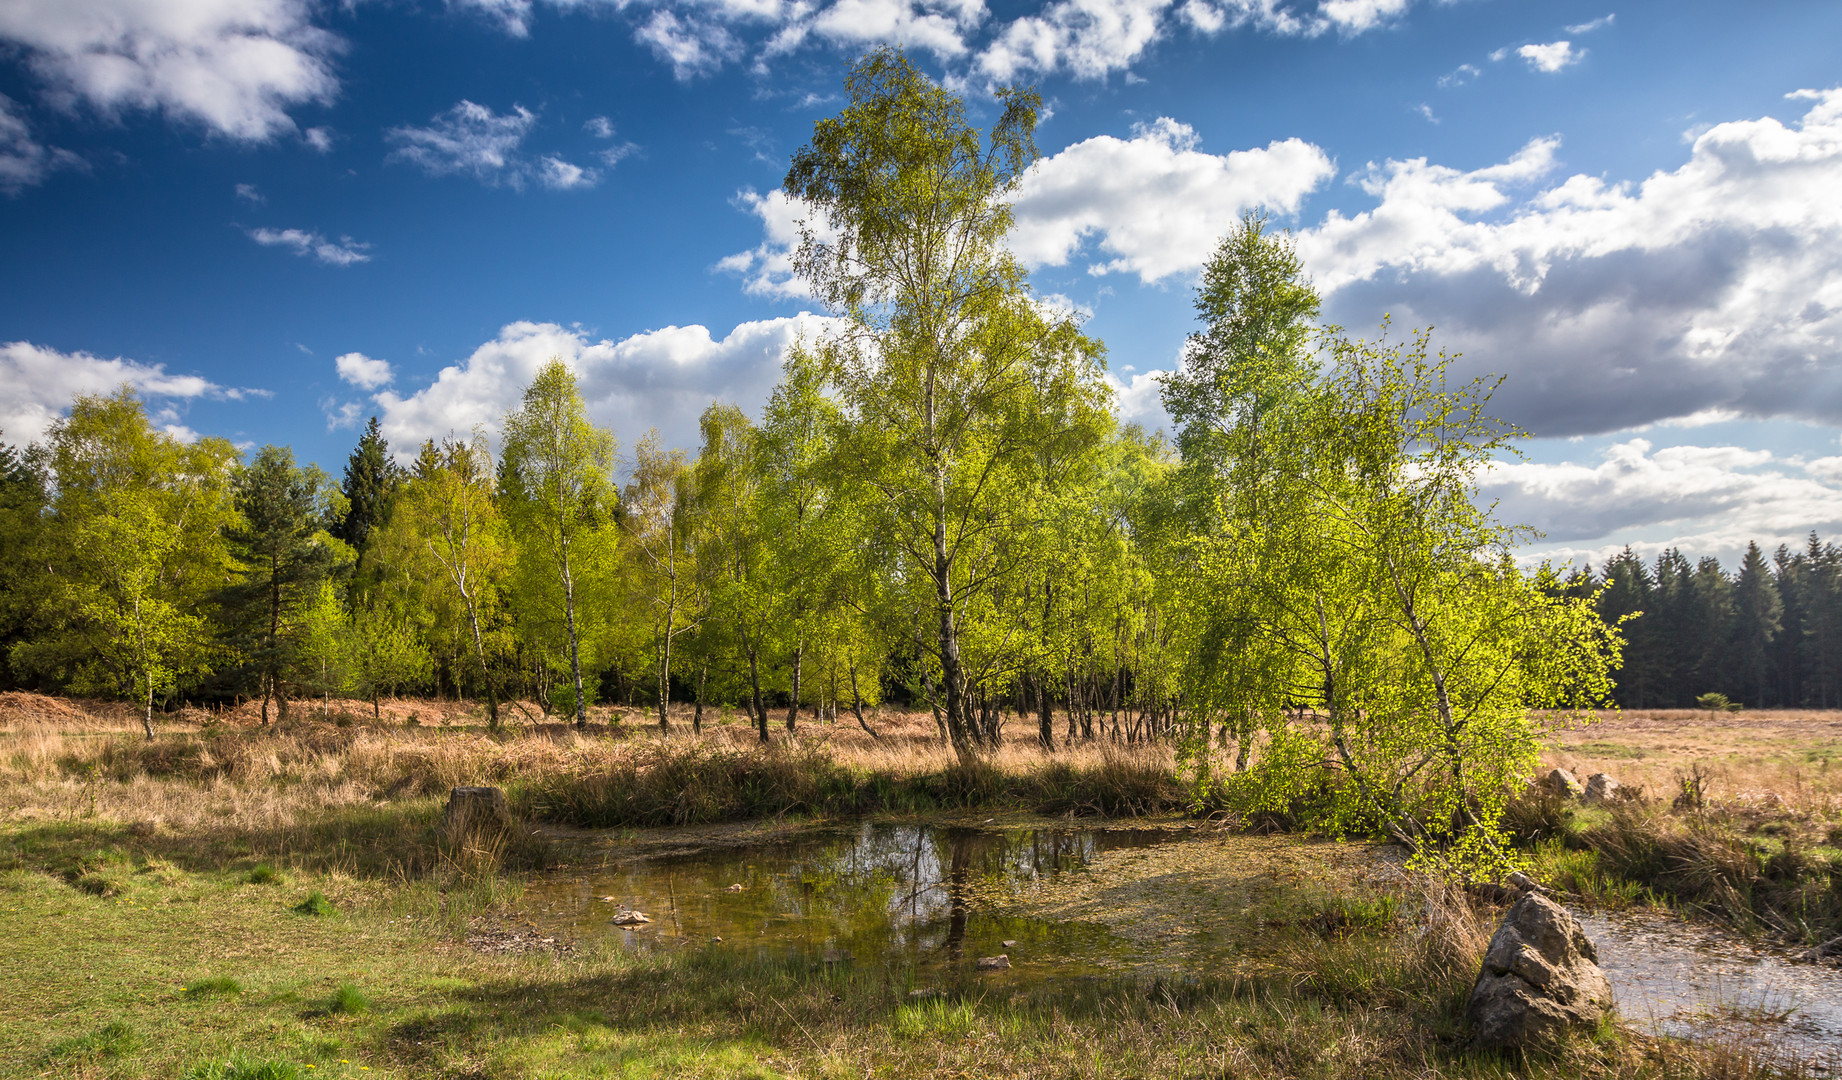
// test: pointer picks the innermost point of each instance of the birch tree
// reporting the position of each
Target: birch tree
(558, 482)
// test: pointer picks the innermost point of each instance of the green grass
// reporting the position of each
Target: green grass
(263, 874)
(112, 1040)
(315, 905)
(217, 986)
(348, 1000)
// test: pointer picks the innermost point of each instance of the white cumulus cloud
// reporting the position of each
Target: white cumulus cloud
(1702, 499)
(1551, 57)
(1155, 202)
(1713, 286)
(363, 371)
(472, 140)
(234, 66)
(660, 378)
(38, 383)
(342, 252)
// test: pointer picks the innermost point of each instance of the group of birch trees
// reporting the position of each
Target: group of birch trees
(936, 503)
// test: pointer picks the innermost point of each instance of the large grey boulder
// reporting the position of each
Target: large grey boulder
(1540, 977)
(1599, 789)
(1561, 784)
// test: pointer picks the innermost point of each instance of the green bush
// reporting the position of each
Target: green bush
(348, 1000)
(263, 874)
(315, 904)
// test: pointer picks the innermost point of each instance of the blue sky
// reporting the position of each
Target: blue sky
(277, 217)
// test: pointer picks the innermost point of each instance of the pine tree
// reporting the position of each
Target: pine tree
(1628, 592)
(285, 556)
(371, 480)
(1756, 621)
(24, 495)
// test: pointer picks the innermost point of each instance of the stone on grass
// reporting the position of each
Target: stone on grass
(1599, 788)
(1562, 784)
(994, 963)
(1541, 976)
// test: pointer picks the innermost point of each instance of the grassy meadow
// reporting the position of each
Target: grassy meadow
(229, 901)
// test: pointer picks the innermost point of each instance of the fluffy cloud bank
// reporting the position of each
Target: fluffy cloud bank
(1713, 286)
(1153, 205)
(1706, 500)
(472, 140)
(1087, 39)
(233, 66)
(661, 378)
(1154, 202)
(37, 385)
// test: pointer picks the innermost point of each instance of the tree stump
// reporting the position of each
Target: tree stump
(473, 810)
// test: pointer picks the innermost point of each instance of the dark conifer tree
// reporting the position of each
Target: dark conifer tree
(1711, 630)
(370, 483)
(1628, 592)
(24, 494)
(282, 566)
(1757, 611)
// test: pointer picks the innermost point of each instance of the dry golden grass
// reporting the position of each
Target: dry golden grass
(1763, 762)
(64, 758)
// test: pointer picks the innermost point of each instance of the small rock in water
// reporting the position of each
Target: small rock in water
(607, 899)
(737, 887)
(716, 941)
(1599, 788)
(1008, 944)
(631, 918)
(994, 963)
(1540, 977)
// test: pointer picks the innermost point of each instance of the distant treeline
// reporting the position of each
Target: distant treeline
(1767, 636)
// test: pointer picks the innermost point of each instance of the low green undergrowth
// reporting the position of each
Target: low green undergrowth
(1641, 851)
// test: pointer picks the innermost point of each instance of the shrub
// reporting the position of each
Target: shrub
(262, 874)
(347, 1000)
(315, 904)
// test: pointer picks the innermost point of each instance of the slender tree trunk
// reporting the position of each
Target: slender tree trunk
(754, 689)
(857, 703)
(1045, 715)
(479, 652)
(952, 676)
(575, 649)
(665, 655)
(799, 656)
(147, 717)
(697, 718)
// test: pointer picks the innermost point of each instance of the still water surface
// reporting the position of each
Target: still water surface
(931, 899)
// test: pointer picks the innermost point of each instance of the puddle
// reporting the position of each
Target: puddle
(932, 899)
(925, 897)
(1680, 979)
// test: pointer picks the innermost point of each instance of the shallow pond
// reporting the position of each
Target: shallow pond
(1682, 979)
(931, 899)
(915, 896)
